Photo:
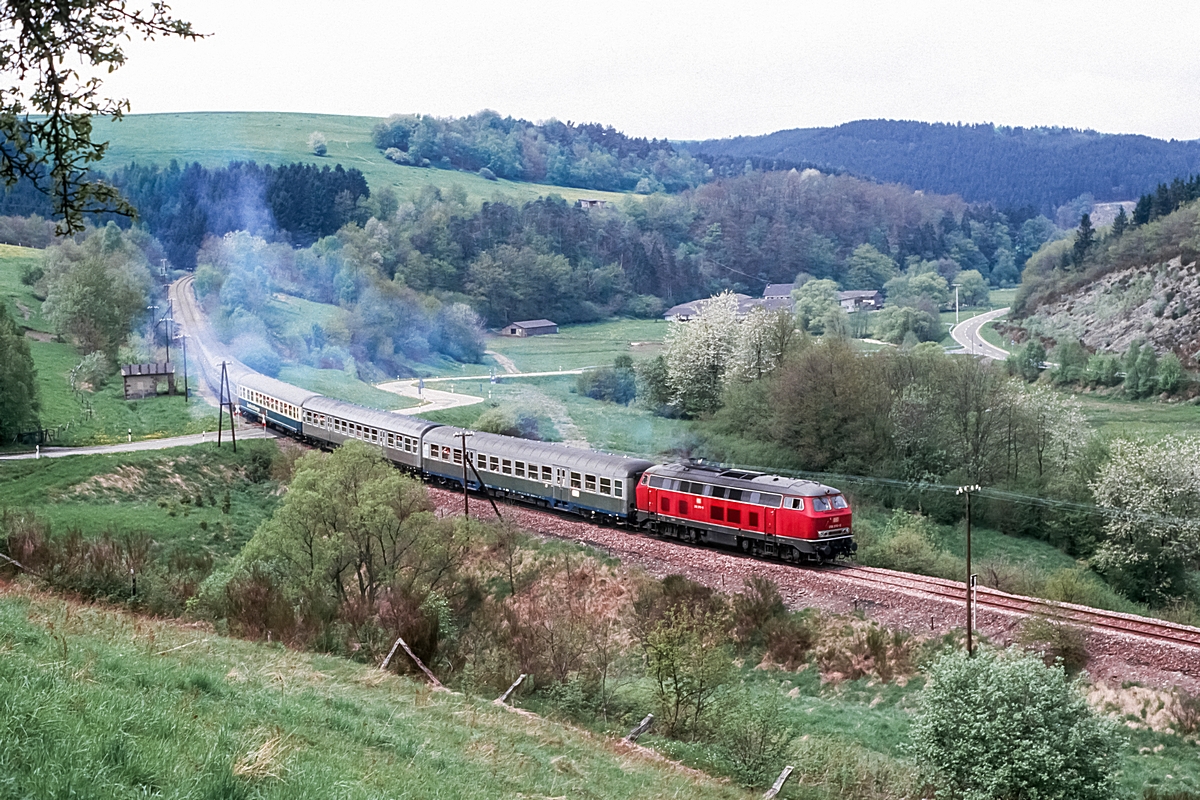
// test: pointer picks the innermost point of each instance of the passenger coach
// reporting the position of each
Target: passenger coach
(399, 435)
(544, 473)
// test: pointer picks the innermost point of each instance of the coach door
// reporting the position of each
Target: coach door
(562, 493)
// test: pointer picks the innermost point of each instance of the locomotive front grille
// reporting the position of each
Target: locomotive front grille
(829, 534)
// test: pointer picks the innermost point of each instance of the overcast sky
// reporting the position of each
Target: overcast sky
(687, 70)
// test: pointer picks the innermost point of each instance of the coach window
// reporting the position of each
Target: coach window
(519, 468)
(617, 488)
(605, 486)
(506, 466)
(547, 474)
(458, 456)
(576, 480)
(495, 463)
(589, 483)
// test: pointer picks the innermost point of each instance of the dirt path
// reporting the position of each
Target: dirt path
(507, 363)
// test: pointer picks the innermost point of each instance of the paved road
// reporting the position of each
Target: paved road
(967, 334)
(244, 432)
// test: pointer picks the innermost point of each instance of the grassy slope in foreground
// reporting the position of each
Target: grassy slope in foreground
(103, 704)
(215, 138)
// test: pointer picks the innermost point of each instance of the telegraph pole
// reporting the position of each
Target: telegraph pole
(968, 491)
(466, 501)
(183, 337)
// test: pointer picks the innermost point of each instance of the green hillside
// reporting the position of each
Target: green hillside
(101, 704)
(215, 138)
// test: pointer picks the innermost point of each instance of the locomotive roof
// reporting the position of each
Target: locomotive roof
(540, 452)
(277, 389)
(388, 420)
(744, 479)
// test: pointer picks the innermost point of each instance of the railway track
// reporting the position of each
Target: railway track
(1018, 605)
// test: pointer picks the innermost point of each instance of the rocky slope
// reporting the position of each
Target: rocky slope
(1159, 304)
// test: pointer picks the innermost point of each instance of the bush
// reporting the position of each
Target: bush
(1056, 642)
(510, 422)
(1006, 725)
(32, 273)
(487, 174)
(317, 143)
(753, 735)
(616, 384)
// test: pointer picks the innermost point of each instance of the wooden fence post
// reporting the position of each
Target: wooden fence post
(502, 699)
(642, 727)
(401, 643)
(779, 782)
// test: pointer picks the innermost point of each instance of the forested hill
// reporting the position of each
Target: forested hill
(1008, 167)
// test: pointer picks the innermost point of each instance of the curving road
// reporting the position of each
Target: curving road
(967, 334)
(243, 432)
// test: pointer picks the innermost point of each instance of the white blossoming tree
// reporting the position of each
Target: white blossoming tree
(1153, 536)
(698, 354)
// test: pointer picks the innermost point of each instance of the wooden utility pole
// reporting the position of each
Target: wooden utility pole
(968, 491)
(466, 496)
(224, 391)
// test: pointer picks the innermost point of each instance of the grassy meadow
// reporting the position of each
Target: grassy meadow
(213, 139)
(176, 496)
(103, 704)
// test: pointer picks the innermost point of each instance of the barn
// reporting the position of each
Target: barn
(529, 327)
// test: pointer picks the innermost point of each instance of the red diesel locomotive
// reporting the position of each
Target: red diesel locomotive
(755, 512)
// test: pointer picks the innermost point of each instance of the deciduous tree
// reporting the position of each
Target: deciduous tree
(54, 54)
(18, 379)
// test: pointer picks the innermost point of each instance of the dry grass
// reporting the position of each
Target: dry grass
(266, 760)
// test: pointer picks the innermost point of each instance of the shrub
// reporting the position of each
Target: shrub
(1056, 642)
(1006, 725)
(487, 174)
(1185, 710)
(31, 273)
(753, 735)
(510, 422)
(317, 143)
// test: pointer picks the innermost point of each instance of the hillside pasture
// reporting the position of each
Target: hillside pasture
(213, 139)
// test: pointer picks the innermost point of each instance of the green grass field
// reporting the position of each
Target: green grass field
(213, 139)
(105, 705)
(16, 296)
(576, 346)
(151, 492)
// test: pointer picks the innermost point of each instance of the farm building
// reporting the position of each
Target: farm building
(144, 380)
(529, 327)
(870, 299)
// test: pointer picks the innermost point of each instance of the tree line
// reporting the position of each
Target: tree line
(1010, 167)
(180, 206)
(586, 156)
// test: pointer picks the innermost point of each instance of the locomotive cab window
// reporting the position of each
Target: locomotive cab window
(655, 482)
(839, 501)
(796, 502)
(822, 504)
